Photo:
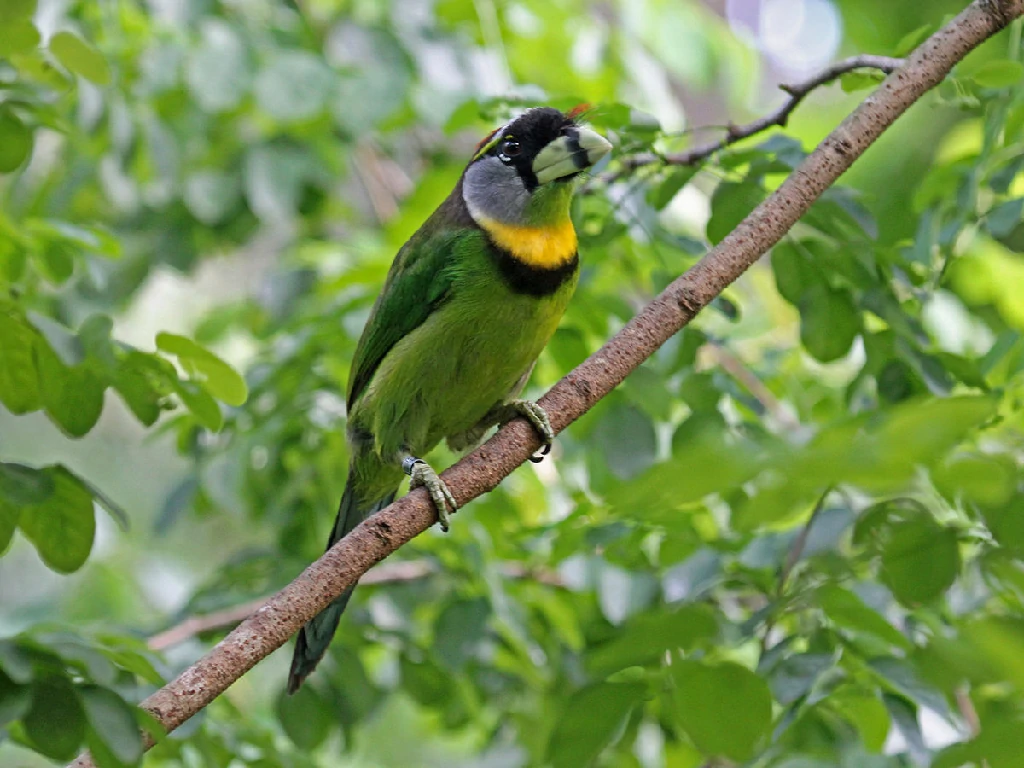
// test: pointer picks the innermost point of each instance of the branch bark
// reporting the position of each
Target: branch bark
(390, 573)
(275, 622)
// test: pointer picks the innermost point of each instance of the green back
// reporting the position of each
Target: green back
(417, 284)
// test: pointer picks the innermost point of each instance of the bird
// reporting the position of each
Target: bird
(468, 304)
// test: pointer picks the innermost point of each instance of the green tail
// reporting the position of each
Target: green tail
(316, 635)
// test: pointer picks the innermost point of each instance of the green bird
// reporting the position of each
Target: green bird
(469, 303)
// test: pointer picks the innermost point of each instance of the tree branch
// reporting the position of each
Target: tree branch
(734, 133)
(389, 573)
(279, 618)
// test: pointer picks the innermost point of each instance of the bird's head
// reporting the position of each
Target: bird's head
(522, 174)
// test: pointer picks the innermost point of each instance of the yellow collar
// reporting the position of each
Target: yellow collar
(547, 247)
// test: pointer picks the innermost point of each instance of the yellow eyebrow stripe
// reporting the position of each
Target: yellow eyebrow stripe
(486, 144)
(546, 247)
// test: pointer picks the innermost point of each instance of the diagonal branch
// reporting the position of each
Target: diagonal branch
(481, 471)
(390, 573)
(734, 133)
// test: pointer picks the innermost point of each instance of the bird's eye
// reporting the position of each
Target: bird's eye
(509, 148)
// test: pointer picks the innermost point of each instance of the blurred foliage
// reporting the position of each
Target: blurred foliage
(793, 538)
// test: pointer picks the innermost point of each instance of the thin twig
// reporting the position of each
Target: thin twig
(797, 92)
(738, 369)
(967, 710)
(796, 551)
(375, 538)
(384, 182)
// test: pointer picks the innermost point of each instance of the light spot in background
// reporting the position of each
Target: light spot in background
(689, 210)
(589, 49)
(650, 90)
(798, 36)
(954, 328)
(522, 21)
(166, 585)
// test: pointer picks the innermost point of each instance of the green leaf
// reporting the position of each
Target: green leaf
(19, 37)
(850, 612)
(997, 746)
(143, 381)
(9, 515)
(73, 395)
(592, 719)
(24, 485)
(920, 559)
(794, 677)
(730, 204)
(859, 81)
(137, 662)
(80, 58)
(80, 654)
(17, 661)
(1007, 523)
(829, 323)
(663, 194)
(428, 683)
(724, 708)
(56, 261)
(459, 631)
(645, 388)
(19, 390)
(15, 141)
(16, 10)
(201, 404)
(776, 504)
(794, 274)
(703, 464)
(988, 481)
(14, 699)
(901, 676)
(999, 74)
(866, 712)
(62, 528)
(924, 431)
(62, 340)
(1004, 218)
(113, 721)
(306, 717)
(1000, 639)
(219, 378)
(625, 437)
(55, 723)
(645, 638)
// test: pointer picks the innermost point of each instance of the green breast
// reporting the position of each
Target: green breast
(466, 357)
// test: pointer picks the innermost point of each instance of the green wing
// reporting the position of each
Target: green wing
(418, 283)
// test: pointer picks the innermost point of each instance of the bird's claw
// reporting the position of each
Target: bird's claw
(422, 474)
(538, 417)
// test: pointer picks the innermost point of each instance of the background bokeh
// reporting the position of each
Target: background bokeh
(241, 174)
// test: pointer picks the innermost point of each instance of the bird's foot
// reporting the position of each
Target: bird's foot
(538, 417)
(422, 474)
